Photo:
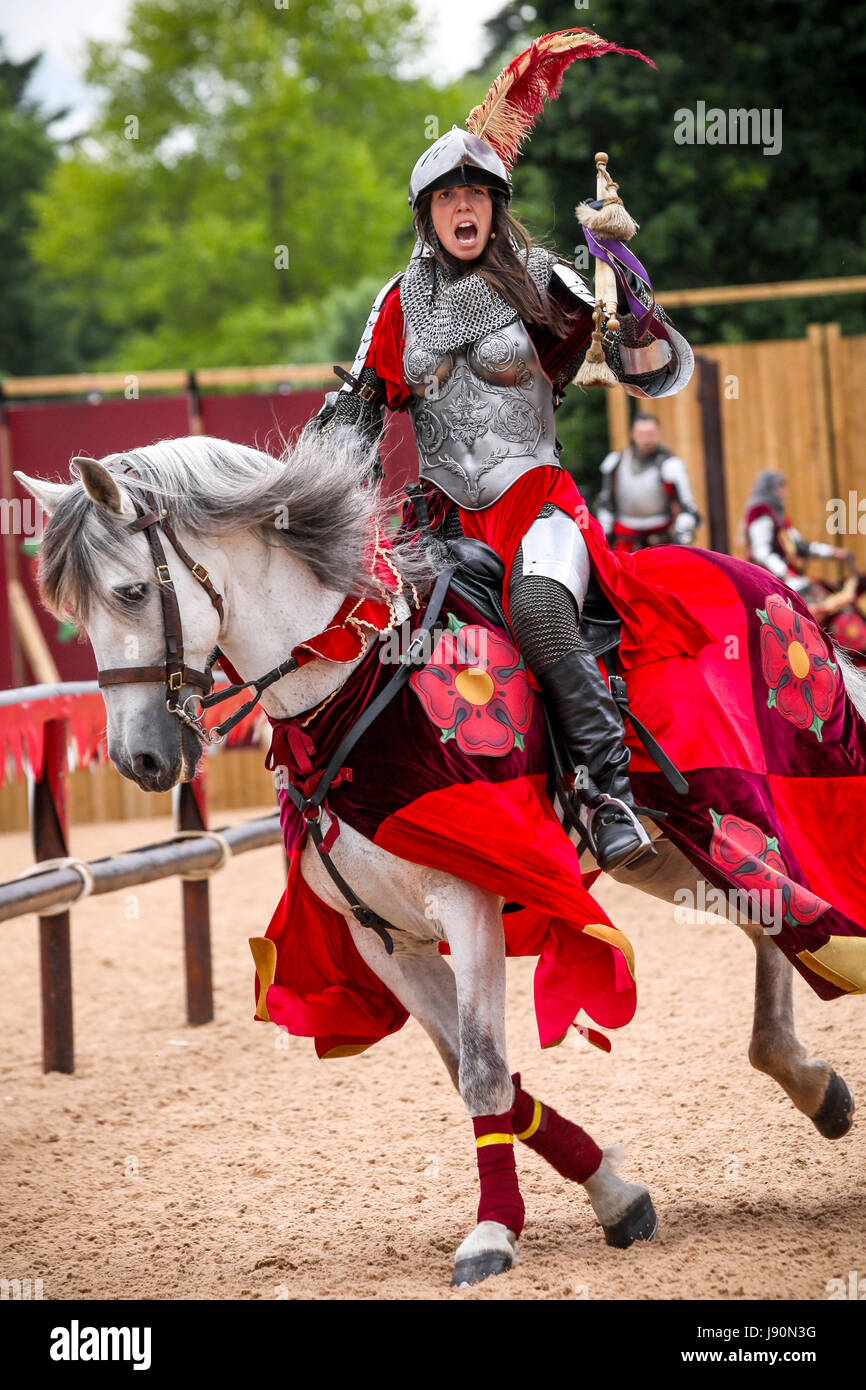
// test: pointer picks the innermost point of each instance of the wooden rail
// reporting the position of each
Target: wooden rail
(783, 289)
(81, 383)
(193, 853)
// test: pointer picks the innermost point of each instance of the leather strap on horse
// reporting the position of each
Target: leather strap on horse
(311, 806)
(174, 673)
(620, 694)
(260, 685)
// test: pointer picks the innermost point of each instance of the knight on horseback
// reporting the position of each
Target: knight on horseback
(478, 339)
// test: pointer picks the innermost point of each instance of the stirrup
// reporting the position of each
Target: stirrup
(645, 846)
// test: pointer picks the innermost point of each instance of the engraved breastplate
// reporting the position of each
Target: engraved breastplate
(640, 490)
(482, 414)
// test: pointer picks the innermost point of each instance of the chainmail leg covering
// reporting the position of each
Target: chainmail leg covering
(543, 616)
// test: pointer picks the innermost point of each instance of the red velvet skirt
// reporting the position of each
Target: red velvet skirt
(656, 624)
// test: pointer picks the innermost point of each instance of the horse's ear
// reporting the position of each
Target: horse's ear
(47, 494)
(100, 485)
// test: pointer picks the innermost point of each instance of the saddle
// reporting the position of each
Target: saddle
(479, 576)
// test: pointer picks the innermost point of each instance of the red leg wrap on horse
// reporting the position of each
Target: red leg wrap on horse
(497, 1172)
(567, 1147)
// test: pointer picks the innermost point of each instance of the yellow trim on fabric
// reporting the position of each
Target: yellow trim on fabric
(265, 958)
(842, 961)
(345, 1050)
(534, 1123)
(494, 1139)
(614, 937)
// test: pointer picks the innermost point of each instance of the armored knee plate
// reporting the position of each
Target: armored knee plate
(553, 546)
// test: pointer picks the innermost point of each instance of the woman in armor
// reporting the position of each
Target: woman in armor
(478, 339)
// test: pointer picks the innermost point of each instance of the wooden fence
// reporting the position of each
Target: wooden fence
(57, 881)
(792, 405)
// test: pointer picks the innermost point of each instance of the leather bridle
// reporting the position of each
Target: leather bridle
(174, 673)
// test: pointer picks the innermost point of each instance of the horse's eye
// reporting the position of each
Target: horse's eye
(132, 593)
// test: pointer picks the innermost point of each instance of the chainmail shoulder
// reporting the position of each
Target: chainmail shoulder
(444, 315)
(451, 529)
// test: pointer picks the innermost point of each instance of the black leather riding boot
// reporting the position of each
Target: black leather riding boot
(592, 728)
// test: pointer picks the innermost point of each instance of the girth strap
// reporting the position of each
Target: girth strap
(620, 694)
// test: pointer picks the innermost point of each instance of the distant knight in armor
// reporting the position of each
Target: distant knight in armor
(478, 339)
(773, 542)
(646, 498)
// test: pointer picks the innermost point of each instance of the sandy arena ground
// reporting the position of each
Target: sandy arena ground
(227, 1162)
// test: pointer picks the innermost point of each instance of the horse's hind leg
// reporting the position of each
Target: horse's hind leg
(812, 1084)
(814, 1087)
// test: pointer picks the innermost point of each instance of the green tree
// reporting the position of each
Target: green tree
(31, 331)
(710, 214)
(248, 160)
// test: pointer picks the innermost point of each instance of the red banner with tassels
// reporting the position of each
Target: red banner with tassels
(22, 728)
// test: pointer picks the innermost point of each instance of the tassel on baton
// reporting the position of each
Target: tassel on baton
(609, 221)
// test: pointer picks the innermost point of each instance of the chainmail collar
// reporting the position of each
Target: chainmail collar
(444, 314)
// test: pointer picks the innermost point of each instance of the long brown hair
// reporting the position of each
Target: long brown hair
(500, 264)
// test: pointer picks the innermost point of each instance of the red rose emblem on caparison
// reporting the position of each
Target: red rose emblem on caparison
(745, 852)
(475, 690)
(796, 667)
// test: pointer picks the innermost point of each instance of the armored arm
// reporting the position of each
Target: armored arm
(676, 479)
(818, 550)
(605, 507)
(644, 364)
(760, 534)
(359, 403)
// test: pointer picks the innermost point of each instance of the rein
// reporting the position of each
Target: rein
(174, 674)
(312, 806)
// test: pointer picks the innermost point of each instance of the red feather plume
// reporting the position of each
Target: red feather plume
(516, 99)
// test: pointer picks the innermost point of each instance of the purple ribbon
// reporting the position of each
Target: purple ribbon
(611, 252)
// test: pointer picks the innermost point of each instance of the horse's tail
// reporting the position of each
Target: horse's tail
(855, 680)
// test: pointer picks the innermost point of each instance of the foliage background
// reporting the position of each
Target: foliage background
(229, 128)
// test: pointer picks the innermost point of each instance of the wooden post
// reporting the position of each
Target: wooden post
(48, 828)
(191, 814)
(194, 405)
(10, 548)
(714, 455)
(617, 419)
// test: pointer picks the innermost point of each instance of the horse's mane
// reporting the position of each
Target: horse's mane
(310, 498)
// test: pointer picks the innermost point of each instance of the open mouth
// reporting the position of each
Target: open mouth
(466, 233)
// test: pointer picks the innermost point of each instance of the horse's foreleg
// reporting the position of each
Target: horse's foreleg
(419, 977)
(423, 982)
(814, 1087)
(478, 956)
(624, 1209)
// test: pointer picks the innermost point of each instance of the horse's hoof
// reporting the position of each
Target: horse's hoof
(639, 1223)
(477, 1267)
(836, 1114)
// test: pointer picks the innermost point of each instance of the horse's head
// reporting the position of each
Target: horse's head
(97, 568)
(281, 539)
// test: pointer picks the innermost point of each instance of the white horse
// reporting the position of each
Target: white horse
(282, 540)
